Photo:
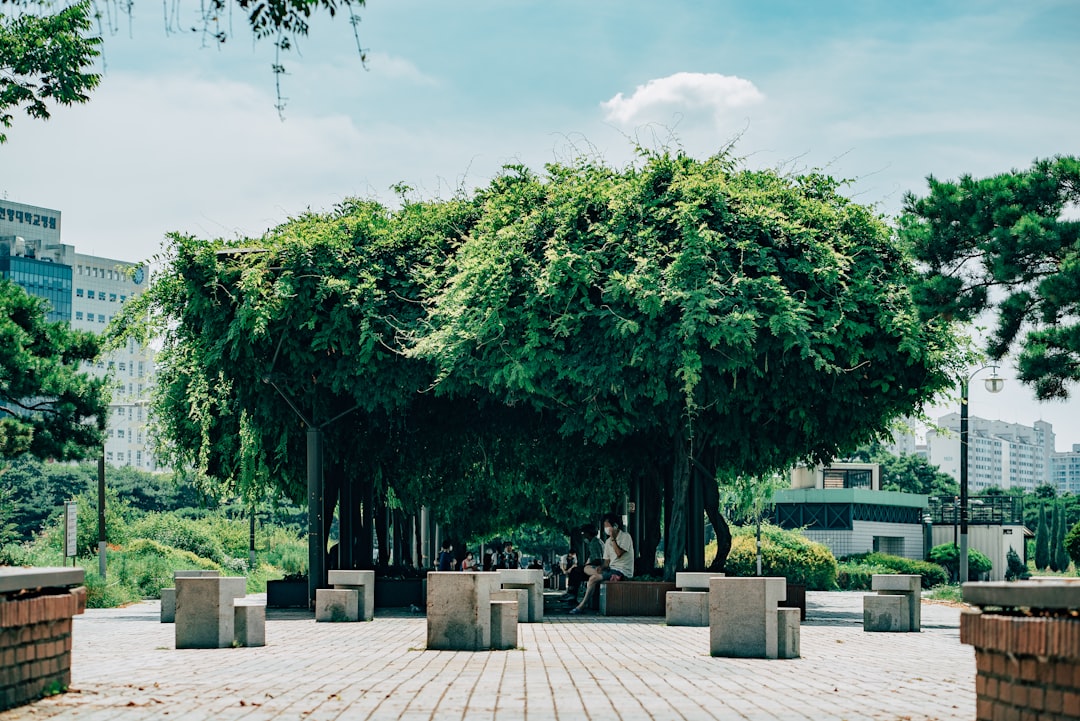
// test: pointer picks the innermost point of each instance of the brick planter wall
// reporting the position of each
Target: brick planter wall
(1028, 667)
(35, 644)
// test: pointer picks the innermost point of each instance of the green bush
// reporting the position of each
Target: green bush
(932, 574)
(1072, 544)
(783, 553)
(948, 556)
(184, 534)
(1017, 570)
(855, 576)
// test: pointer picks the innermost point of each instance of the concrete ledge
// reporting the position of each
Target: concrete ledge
(25, 579)
(687, 608)
(1063, 594)
(787, 633)
(337, 604)
(249, 622)
(504, 621)
(694, 580)
(168, 605)
(886, 613)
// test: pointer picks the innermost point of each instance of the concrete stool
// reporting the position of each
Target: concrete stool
(787, 632)
(249, 622)
(504, 621)
(362, 581)
(887, 614)
(530, 579)
(459, 610)
(520, 596)
(204, 611)
(694, 580)
(168, 595)
(907, 585)
(337, 604)
(743, 617)
(687, 608)
(168, 605)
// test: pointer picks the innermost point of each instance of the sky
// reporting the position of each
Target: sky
(183, 134)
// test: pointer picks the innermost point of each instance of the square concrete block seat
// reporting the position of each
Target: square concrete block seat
(249, 622)
(787, 632)
(504, 621)
(168, 595)
(687, 608)
(530, 579)
(337, 604)
(907, 585)
(459, 610)
(362, 581)
(886, 614)
(204, 610)
(694, 580)
(743, 618)
(520, 596)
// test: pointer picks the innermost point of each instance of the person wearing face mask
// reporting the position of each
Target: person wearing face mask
(618, 560)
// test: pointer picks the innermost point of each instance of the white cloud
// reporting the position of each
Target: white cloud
(683, 92)
(398, 68)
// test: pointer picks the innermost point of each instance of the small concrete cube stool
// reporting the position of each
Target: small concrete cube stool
(687, 608)
(743, 616)
(787, 632)
(504, 621)
(337, 604)
(168, 595)
(886, 614)
(249, 622)
(362, 581)
(694, 580)
(906, 585)
(520, 596)
(204, 611)
(531, 579)
(459, 610)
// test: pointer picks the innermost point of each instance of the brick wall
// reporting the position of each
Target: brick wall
(1028, 667)
(35, 644)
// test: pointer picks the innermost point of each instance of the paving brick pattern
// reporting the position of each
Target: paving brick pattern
(125, 667)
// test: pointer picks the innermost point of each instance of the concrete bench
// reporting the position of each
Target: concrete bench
(531, 580)
(249, 622)
(337, 604)
(459, 610)
(694, 580)
(168, 595)
(745, 620)
(520, 596)
(205, 616)
(361, 581)
(504, 621)
(689, 605)
(897, 607)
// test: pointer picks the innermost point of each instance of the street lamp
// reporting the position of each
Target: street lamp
(993, 384)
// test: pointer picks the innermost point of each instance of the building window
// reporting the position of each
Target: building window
(112, 297)
(78, 292)
(100, 318)
(78, 315)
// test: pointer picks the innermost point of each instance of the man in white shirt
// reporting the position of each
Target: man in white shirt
(618, 560)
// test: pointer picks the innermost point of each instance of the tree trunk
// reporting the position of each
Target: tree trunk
(365, 551)
(381, 522)
(652, 487)
(331, 490)
(675, 547)
(711, 494)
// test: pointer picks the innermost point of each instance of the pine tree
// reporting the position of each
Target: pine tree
(1042, 541)
(1059, 542)
(1055, 524)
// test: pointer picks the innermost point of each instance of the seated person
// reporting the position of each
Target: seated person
(574, 575)
(618, 563)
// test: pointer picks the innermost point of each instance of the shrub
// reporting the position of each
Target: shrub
(1017, 570)
(932, 574)
(783, 553)
(948, 556)
(1072, 544)
(181, 533)
(856, 576)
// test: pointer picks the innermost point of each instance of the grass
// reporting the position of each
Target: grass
(945, 592)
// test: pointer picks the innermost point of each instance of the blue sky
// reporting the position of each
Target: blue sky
(185, 137)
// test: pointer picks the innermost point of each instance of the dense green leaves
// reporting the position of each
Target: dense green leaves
(1007, 244)
(48, 408)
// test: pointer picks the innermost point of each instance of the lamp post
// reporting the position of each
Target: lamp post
(993, 384)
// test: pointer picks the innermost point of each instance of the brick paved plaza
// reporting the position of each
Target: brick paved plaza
(125, 667)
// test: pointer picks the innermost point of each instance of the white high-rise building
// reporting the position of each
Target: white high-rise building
(1065, 470)
(1006, 455)
(85, 291)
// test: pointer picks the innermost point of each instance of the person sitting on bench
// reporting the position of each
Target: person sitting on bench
(618, 562)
